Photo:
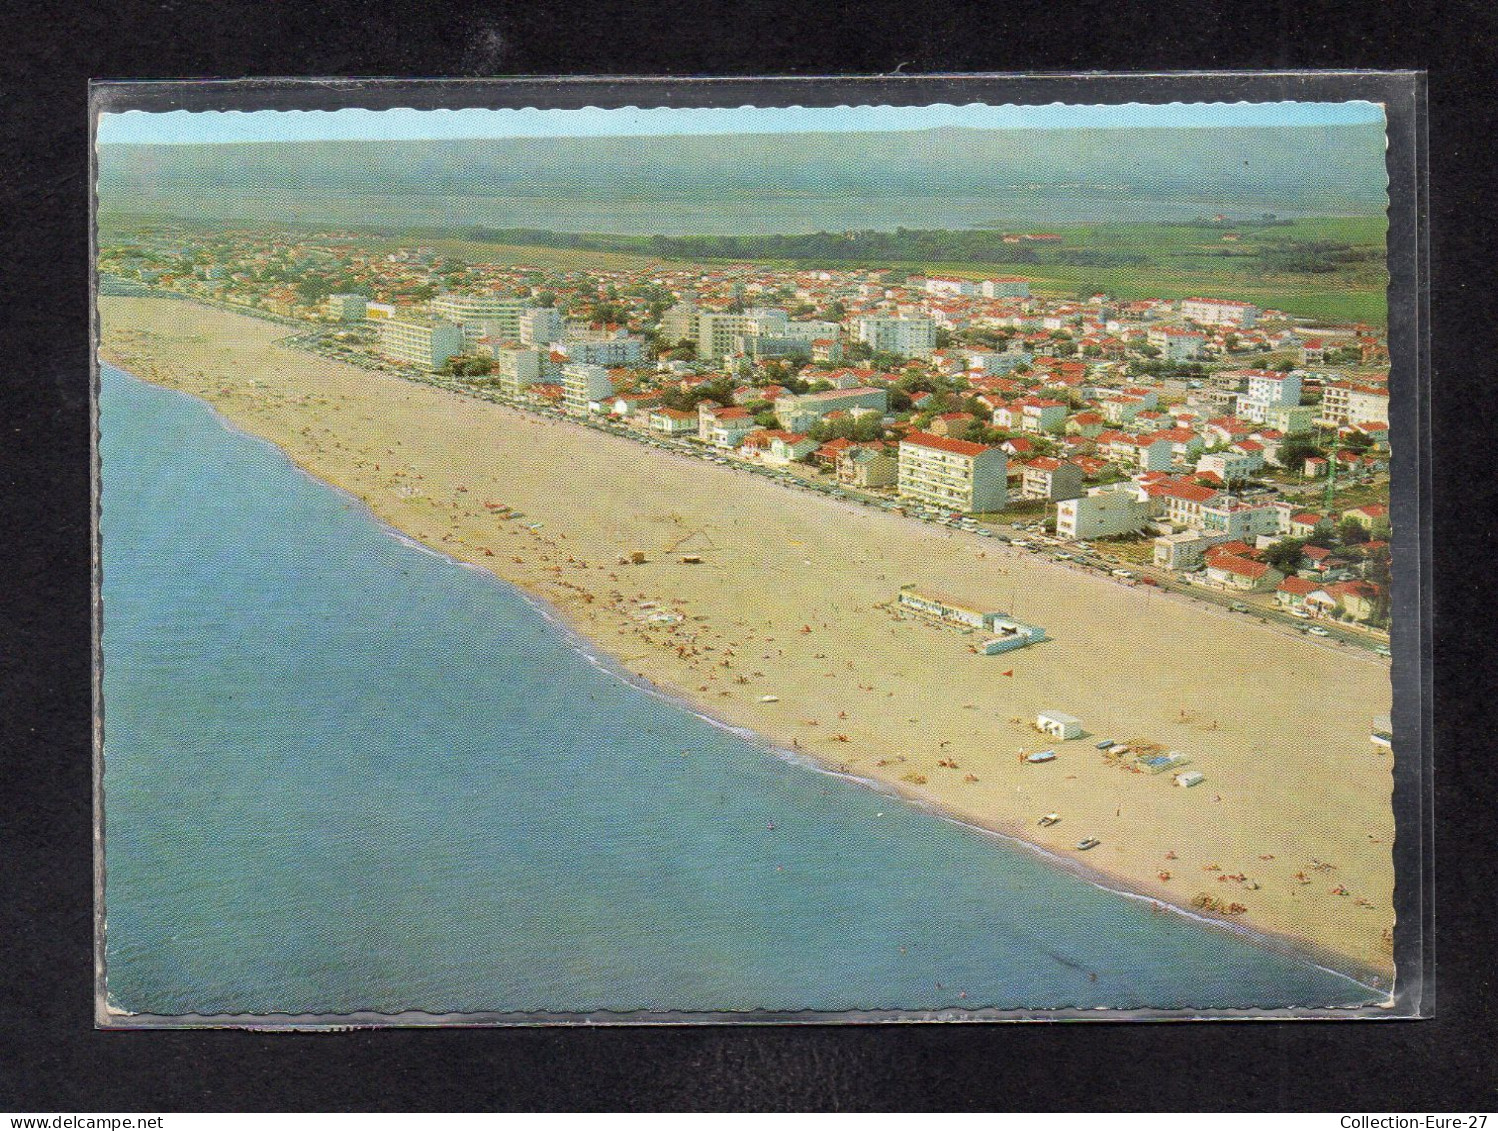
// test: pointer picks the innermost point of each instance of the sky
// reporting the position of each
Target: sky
(138, 127)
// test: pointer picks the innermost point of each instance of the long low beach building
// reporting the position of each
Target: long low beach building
(420, 342)
(1009, 632)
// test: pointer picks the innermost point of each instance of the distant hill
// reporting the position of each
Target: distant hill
(689, 183)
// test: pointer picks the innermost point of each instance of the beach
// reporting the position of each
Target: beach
(786, 627)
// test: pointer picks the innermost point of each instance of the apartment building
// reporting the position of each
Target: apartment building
(584, 386)
(1343, 402)
(540, 326)
(493, 316)
(1117, 508)
(517, 367)
(1220, 312)
(904, 337)
(953, 474)
(718, 332)
(420, 342)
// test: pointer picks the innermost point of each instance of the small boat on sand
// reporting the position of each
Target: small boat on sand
(1042, 756)
(1050, 819)
(1087, 842)
(769, 699)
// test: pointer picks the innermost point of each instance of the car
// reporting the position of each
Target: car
(1123, 574)
(1382, 650)
(1063, 557)
(1019, 543)
(1300, 614)
(1317, 630)
(1238, 607)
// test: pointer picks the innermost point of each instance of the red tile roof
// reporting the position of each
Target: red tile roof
(941, 443)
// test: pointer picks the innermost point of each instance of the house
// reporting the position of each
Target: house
(789, 447)
(1292, 592)
(1048, 478)
(673, 422)
(1358, 600)
(723, 427)
(868, 465)
(1306, 524)
(1040, 415)
(1236, 572)
(1087, 424)
(829, 453)
(1176, 343)
(1369, 517)
(951, 424)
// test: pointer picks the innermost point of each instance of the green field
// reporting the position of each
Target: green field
(1135, 261)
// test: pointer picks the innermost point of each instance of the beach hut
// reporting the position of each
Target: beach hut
(1059, 725)
(1190, 778)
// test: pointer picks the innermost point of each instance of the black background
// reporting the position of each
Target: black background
(51, 1058)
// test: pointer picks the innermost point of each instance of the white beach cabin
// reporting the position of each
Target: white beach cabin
(1059, 725)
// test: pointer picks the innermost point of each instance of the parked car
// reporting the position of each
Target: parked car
(1317, 630)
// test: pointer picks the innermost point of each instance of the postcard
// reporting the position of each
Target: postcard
(759, 562)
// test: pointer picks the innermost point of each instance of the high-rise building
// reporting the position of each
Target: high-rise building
(540, 325)
(418, 342)
(584, 385)
(481, 316)
(717, 332)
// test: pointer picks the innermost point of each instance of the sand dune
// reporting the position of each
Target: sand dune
(791, 600)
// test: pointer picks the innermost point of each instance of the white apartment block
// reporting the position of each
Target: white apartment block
(1345, 403)
(420, 343)
(1117, 508)
(904, 337)
(608, 351)
(584, 386)
(1049, 478)
(1219, 312)
(1290, 419)
(517, 368)
(540, 326)
(953, 474)
(1176, 344)
(1230, 466)
(1005, 288)
(717, 332)
(346, 308)
(1237, 519)
(952, 287)
(481, 316)
(1268, 391)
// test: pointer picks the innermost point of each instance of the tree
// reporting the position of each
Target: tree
(1284, 555)
(1351, 532)
(1296, 448)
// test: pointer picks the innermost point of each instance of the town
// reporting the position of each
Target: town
(1199, 445)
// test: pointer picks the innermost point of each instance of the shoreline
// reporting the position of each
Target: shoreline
(1366, 977)
(578, 618)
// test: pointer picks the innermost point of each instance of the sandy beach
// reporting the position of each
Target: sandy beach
(793, 600)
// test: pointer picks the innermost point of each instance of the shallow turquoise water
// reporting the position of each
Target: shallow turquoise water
(345, 773)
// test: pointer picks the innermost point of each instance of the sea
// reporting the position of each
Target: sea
(345, 773)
